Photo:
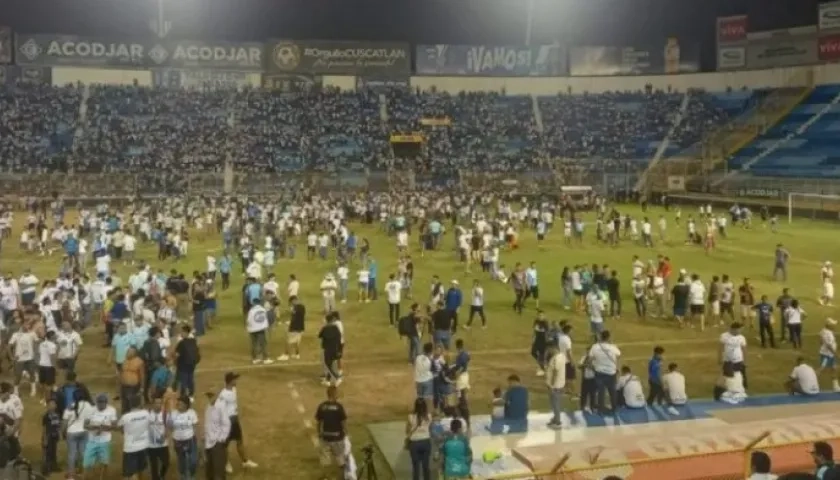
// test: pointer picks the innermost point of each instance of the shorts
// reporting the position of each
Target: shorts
(293, 338)
(679, 311)
(540, 236)
(425, 389)
(827, 361)
(534, 292)
(596, 327)
(133, 463)
(68, 364)
(310, 248)
(335, 451)
(698, 309)
(363, 286)
(235, 434)
(578, 293)
(726, 307)
(571, 371)
(46, 375)
(96, 453)
(27, 366)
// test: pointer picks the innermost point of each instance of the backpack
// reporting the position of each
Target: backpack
(405, 326)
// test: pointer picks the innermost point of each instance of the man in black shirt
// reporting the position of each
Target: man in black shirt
(330, 336)
(615, 297)
(442, 321)
(332, 420)
(765, 321)
(296, 328)
(187, 357)
(539, 344)
(680, 295)
(782, 303)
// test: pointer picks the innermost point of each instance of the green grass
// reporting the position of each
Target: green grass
(276, 400)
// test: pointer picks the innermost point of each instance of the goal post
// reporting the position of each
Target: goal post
(828, 206)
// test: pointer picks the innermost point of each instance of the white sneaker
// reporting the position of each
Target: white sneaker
(250, 464)
(256, 362)
(268, 361)
(283, 358)
(344, 301)
(325, 382)
(296, 357)
(673, 411)
(338, 381)
(540, 372)
(229, 468)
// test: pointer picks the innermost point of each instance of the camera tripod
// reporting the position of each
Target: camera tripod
(368, 470)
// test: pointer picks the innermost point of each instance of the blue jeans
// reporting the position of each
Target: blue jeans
(605, 383)
(413, 348)
(186, 454)
(420, 452)
(186, 381)
(198, 323)
(555, 395)
(443, 337)
(76, 443)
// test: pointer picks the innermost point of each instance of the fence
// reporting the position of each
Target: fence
(731, 464)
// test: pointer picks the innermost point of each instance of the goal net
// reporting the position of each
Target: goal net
(813, 206)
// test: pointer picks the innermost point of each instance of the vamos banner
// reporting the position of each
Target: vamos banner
(338, 58)
(70, 50)
(486, 60)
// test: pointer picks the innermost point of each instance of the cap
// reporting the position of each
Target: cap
(102, 398)
(231, 376)
(454, 282)
(822, 449)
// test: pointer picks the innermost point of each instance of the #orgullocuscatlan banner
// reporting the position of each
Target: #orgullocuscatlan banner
(72, 50)
(338, 58)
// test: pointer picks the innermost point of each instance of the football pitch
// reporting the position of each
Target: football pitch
(277, 402)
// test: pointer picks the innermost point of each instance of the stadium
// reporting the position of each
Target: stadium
(255, 239)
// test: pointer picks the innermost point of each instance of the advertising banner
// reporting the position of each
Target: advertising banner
(338, 58)
(782, 48)
(70, 50)
(500, 61)
(729, 58)
(5, 45)
(12, 74)
(292, 83)
(732, 29)
(386, 83)
(829, 47)
(829, 16)
(668, 58)
(203, 79)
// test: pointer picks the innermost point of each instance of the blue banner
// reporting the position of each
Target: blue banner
(497, 61)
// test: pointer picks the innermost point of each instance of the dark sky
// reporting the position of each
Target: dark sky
(500, 22)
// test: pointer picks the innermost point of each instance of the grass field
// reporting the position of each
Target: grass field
(278, 401)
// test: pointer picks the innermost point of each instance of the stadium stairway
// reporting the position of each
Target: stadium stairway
(803, 145)
(538, 120)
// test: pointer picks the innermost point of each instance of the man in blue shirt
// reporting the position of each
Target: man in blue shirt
(462, 364)
(372, 272)
(120, 344)
(225, 265)
(516, 406)
(118, 315)
(71, 248)
(656, 391)
(452, 302)
(764, 310)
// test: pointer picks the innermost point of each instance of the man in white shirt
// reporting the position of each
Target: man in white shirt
(828, 352)
(69, 342)
(803, 379)
(135, 426)
(697, 301)
(393, 288)
(423, 375)
(28, 285)
(293, 288)
(343, 274)
(674, 384)
(631, 394)
(733, 346)
(257, 326)
(477, 305)
(130, 246)
(555, 379)
(604, 357)
(328, 288)
(23, 351)
(595, 309)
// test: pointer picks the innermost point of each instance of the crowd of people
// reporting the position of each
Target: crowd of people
(172, 133)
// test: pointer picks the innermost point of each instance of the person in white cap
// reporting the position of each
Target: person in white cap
(328, 288)
(827, 274)
(828, 352)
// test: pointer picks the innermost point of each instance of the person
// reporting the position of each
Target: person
(158, 451)
(793, 317)
(135, 425)
(331, 345)
(442, 325)
(181, 424)
(823, 455)
(257, 326)
(393, 288)
(539, 342)
(228, 401)
(656, 391)
(47, 353)
(764, 311)
(418, 440)
(629, 391)
(517, 404)
(457, 454)
(331, 422)
(216, 433)
(555, 374)
(132, 378)
(74, 417)
(803, 379)
(729, 387)
(297, 325)
(603, 356)
(760, 467)
(423, 374)
(51, 433)
(674, 384)
(99, 424)
(828, 352)
(733, 349)
(187, 358)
